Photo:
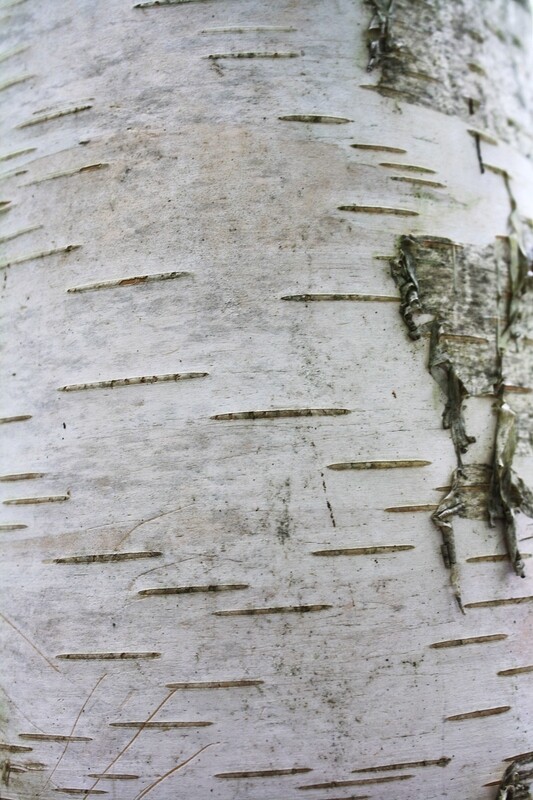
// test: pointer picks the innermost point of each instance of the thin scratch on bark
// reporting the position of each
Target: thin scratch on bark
(73, 728)
(150, 519)
(172, 771)
(28, 641)
(134, 739)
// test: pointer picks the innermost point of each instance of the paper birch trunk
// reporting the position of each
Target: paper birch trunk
(237, 538)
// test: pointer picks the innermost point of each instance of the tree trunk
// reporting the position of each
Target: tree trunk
(245, 552)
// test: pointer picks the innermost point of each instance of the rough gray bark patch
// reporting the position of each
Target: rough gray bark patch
(479, 345)
(457, 57)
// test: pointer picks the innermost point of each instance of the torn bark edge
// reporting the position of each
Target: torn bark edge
(442, 369)
(443, 372)
(508, 492)
(512, 786)
(404, 275)
(450, 506)
(378, 32)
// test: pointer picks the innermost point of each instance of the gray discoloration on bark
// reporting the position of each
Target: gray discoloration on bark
(459, 57)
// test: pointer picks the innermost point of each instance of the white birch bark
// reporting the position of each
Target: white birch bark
(164, 594)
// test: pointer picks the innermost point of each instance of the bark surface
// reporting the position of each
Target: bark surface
(221, 448)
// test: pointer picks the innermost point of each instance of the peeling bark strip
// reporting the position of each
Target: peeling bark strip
(461, 286)
(378, 33)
